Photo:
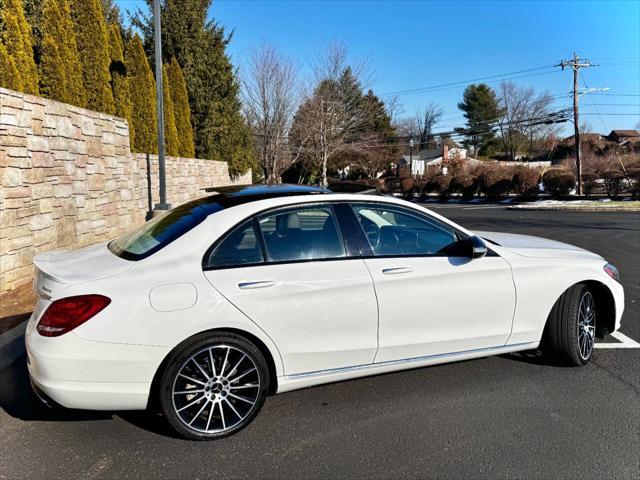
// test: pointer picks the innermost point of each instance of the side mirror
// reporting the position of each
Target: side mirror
(478, 247)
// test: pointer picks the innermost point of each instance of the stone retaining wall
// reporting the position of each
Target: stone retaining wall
(69, 179)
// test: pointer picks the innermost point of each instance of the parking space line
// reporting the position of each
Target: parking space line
(625, 342)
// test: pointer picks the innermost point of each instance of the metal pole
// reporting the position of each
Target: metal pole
(163, 205)
(411, 159)
(149, 215)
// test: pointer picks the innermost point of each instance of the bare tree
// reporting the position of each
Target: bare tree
(425, 121)
(420, 126)
(331, 61)
(523, 118)
(270, 98)
(327, 119)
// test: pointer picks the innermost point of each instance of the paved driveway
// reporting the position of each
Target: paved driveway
(512, 416)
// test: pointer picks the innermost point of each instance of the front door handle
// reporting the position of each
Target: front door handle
(396, 270)
(259, 284)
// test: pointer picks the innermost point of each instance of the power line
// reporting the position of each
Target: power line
(465, 82)
(593, 101)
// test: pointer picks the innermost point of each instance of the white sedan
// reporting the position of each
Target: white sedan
(205, 310)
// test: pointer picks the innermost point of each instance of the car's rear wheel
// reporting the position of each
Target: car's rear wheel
(213, 386)
(571, 327)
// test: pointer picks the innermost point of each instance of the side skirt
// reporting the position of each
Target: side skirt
(287, 383)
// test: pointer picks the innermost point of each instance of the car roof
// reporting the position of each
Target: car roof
(266, 191)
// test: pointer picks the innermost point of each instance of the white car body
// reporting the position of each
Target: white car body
(321, 321)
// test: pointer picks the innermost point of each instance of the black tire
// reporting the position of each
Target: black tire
(564, 332)
(225, 405)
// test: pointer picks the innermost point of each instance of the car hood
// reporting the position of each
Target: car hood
(529, 246)
(82, 265)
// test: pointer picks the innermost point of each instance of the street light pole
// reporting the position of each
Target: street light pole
(411, 157)
(163, 205)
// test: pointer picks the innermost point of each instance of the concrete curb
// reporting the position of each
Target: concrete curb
(574, 209)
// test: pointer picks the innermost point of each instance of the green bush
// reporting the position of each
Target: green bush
(613, 182)
(465, 184)
(526, 182)
(558, 182)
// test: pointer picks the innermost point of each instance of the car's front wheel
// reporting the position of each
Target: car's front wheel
(213, 386)
(571, 327)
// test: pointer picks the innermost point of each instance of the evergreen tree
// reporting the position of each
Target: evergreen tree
(92, 40)
(143, 100)
(60, 70)
(350, 93)
(170, 132)
(181, 110)
(111, 12)
(33, 10)
(119, 79)
(199, 46)
(481, 109)
(18, 42)
(9, 77)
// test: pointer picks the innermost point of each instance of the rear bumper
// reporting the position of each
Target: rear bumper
(83, 374)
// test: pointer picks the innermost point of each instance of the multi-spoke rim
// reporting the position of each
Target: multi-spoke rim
(586, 325)
(216, 389)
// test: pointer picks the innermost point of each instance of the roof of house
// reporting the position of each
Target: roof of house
(626, 133)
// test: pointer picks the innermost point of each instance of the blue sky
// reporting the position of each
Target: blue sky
(414, 44)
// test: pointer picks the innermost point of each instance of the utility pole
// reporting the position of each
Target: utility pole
(576, 64)
(163, 205)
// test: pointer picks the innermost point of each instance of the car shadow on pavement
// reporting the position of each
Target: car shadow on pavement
(19, 401)
(536, 357)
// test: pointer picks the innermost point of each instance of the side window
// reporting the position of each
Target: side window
(309, 233)
(240, 247)
(396, 231)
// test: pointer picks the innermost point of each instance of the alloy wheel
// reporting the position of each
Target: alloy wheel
(216, 389)
(586, 325)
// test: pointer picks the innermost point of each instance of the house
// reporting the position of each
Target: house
(425, 159)
(624, 136)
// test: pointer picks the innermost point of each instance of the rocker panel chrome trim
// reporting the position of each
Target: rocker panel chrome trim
(406, 360)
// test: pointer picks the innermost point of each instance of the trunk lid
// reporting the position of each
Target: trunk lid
(58, 269)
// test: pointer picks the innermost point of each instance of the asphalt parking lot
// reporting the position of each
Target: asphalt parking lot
(513, 416)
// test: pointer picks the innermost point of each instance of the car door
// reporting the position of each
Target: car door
(290, 271)
(431, 303)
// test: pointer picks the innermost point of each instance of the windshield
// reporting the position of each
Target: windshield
(162, 230)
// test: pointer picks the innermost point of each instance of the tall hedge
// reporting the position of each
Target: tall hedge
(119, 79)
(199, 45)
(92, 41)
(9, 77)
(18, 44)
(170, 131)
(181, 109)
(60, 70)
(143, 100)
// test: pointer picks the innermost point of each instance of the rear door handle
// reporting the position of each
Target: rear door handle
(258, 284)
(396, 270)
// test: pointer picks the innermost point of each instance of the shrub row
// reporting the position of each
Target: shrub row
(496, 182)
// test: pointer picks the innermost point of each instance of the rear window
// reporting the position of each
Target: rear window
(162, 230)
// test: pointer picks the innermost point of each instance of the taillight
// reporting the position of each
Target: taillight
(65, 314)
